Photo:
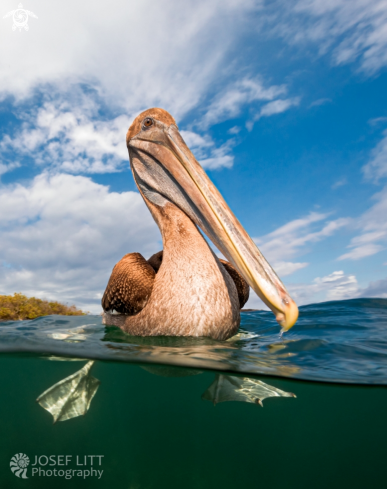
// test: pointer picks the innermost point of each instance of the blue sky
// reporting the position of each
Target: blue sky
(283, 103)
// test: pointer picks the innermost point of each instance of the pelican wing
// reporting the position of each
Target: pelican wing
(130, 285)
(241, 285)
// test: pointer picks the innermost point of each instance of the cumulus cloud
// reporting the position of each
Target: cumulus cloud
(68, 139)
(62, 235)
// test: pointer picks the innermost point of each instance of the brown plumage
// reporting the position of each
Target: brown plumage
(158, 114)
(129, 286)
(131, 283)
(155, 260)
(241, 285)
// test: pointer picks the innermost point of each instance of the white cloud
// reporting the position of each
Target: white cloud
(377, 288)
(74, 140)
(136, 54)
(229, 103)
(339, 183)
(361, 252)
(272, 108)
(376, 168)
(205, 151)
(339, 286)
(131, 57)
(284, 268)
(68, 139)
(320, 101)
(333, 287)
(6, 168)
(350, 30)
(377, 120)
(62, 235)
(293, 238)
(373, 225)
(277, 106)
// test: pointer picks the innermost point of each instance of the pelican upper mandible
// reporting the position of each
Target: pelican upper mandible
(186, 290)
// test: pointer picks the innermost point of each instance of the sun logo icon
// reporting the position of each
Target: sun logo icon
(19, 464)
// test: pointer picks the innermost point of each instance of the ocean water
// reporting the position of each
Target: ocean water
(187, 413)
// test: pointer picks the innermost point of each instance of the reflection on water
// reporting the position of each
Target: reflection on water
(71, 397)
(343, 341)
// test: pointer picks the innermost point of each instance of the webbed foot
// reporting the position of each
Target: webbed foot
(71, 397)
(244, 389)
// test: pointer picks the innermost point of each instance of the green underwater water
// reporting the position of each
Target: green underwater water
(157, 432)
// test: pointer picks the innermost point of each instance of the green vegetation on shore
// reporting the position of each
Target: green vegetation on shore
(18, 306)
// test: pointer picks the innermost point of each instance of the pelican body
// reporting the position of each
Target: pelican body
(186, 290)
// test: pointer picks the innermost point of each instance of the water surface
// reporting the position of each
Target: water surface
(343, 341)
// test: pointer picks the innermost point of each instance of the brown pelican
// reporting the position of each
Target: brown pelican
(193, 293)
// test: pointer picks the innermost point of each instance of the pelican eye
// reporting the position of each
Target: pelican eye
(148, 122)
